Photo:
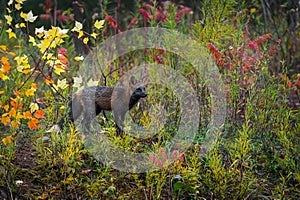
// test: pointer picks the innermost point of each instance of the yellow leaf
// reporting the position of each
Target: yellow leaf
(11, 34)
(85, 40)
(252, 10)
(20, 1)
(19, 116)
(49, 56)
(62, 84)
(20, 68)
(8, 10)
(23, 15)
(33, 107)
(80, 34)
(18, 6)
(79, 58)
(19, 60)
(22, 25)
(30, 92)
(1, 92)
(78, 26)
(58, 70)
(32, 40)
(3, 76)
(44, 45)
(8, 19)
(99, 24)
(94, 35)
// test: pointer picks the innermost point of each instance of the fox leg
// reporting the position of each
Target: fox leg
(88, 108)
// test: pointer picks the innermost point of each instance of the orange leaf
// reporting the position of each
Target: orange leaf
(63, 59)
(11, 53)
(34, 85)
(15, 124)
(27, 115)
(7, 139)
(12, 113)
(49, 80)
(33, 124)
(5, 119)
(15, 103)
(26, 71)
(39, 114)
(3, 47)
(4, 60)
(17, 93)
(6, 107)
(6, 67)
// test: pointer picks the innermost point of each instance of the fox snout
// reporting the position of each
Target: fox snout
(140, 91)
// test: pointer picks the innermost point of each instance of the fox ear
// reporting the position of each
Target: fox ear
(133, 81)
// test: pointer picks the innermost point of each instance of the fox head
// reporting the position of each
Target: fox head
(139, 92)
(127, 94)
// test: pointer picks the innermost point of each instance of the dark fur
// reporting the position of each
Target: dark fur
(92, 100)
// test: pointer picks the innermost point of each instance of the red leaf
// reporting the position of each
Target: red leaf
(133, 21)
(176, 19)
(182, 11)
(279, 41)
(62, 51)
(111, 21)
(145, 13)
(156, 161)
(216, 53)
(45, 17)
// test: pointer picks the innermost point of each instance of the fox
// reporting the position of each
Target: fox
(93, 100)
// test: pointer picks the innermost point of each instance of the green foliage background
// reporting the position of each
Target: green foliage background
(257, 155)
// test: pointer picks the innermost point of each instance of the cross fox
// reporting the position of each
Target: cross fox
(92, 100)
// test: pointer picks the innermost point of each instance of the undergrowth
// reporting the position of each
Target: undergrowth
(255, 157)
